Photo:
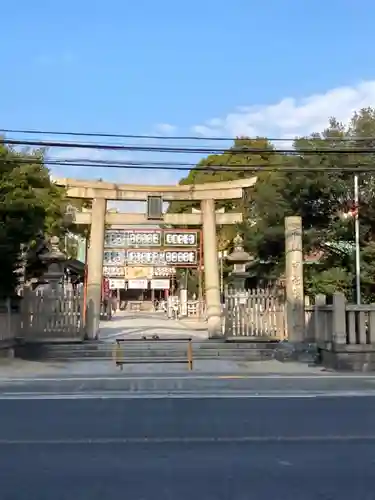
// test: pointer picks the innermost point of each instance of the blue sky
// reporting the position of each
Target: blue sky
(272, 67)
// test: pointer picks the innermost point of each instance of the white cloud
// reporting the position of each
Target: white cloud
(164, 128)
(291, 117)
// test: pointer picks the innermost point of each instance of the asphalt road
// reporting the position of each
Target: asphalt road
(230, 449)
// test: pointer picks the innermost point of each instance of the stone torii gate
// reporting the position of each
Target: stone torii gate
(99, 192)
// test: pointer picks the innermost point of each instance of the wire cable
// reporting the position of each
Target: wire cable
(277, 167)
(176, 137)
(171, 149)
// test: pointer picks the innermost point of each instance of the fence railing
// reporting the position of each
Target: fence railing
(158, 350)
(50, 315)
(257, 313)
(9, 323)
(195, 309)
(190, 309)
(340, 323)
(253, 314)
(261, 314)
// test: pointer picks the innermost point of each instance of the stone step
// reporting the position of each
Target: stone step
(255, 353)
(251, 344)
(153, 344)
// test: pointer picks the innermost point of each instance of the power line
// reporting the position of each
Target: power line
(252, 169)
(176, 137)
(278, 167)
(171, 149)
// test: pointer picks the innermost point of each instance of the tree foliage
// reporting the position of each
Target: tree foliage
(31, 207)
(321, 197)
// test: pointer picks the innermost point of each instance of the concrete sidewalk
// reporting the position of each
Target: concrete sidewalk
(186, 384)
(19, 368)
(194, 324)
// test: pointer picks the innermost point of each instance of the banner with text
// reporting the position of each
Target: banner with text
(137, 284)
(159, 284)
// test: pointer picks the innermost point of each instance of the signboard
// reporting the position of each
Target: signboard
(115, 271)
(160, 284)
(125, 238)
(137, 284)
(105, 287)
(180, 239)
(131, 238)
(115, 283)
(138, 248)
(160, 258)
(163, 272)
(133, 273)
(114, 257)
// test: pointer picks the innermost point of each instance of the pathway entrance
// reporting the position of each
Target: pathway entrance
(135, 325)
(205, 194)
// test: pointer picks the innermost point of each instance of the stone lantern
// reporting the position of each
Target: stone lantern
(240, 259)
(54, 259)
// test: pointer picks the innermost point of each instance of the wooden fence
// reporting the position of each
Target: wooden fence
(9, 323)
(254, 314)
(257, 314)
(339, 323)
(261, 314)
(49, 315)
(195, 309)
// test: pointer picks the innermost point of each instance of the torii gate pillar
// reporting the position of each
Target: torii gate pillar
(95, 267)
(211, 269)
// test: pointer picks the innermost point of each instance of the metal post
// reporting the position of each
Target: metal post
(200, 276)
(221, 273)
(357, 247)
(84, 307)
(190, 355)
(222, 254)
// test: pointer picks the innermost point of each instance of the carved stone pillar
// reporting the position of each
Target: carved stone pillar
(295, 308)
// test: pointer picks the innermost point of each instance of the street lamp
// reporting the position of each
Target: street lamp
(240, 260)
(54, 259)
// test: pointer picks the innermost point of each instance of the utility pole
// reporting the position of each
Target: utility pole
(357, 246)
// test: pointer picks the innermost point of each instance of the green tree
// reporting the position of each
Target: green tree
(247, 164)
(336, 198)
(319, 196)
(31, 206)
